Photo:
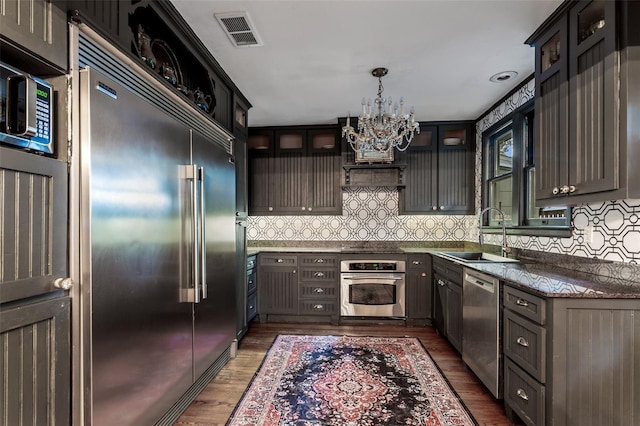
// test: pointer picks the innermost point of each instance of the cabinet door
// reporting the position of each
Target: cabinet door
(33, 224)
(290, 189)
(551, 130)
(260, 167)
(454, 315)
(439, 305)
(593, 106)
(455, 169)
(325, 191)
(36, 353)
(419, 287)
(37, 26)
(421, 177)
(278, 290)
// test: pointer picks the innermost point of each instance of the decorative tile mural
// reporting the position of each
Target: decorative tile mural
(369, 214)
(607, 231)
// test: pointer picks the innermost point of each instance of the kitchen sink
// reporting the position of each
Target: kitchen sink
(477, 257)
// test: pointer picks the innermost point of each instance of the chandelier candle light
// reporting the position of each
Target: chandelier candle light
(381, 127)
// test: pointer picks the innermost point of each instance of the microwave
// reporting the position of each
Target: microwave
(26, 118)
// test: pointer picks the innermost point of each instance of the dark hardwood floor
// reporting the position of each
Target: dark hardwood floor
(216, 402)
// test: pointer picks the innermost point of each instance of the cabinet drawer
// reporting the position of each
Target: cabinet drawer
(318, 307)
(525, 304)
(319, 260)
(320, 275)
(524, 342)
(278, 260)
(323, 291)
(252, 306)
(523, 394)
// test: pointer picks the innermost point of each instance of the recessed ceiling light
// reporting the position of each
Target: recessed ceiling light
(503, 76)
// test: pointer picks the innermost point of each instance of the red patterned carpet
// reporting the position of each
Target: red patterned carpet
(349, 381)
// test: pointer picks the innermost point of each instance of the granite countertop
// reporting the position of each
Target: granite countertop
(543, 278)
(550, 280)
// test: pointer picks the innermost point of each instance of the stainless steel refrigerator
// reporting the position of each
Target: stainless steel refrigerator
(157, 254)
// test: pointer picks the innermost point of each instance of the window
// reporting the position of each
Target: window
(509, 179)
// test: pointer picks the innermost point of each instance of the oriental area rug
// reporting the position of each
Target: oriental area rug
(349, 381)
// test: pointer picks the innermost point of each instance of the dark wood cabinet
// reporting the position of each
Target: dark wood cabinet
(36, 358)
(419, 289)
(319, 280)
(154, 33)
(585, 71)
(278, 284)
(561, 352)
(24, 30)
(447, 294)
(440, 170)
(298, 286)
(294, 171)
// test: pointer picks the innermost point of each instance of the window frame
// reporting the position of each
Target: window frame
(520, 223)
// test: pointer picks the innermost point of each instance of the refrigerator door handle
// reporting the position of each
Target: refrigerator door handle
(194, 236)
(203, 240)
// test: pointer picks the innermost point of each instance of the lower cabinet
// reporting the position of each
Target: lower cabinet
(252, 288)
(299, 285)
(447, 295)
(36, 354)
(571, 361)
(419, 289)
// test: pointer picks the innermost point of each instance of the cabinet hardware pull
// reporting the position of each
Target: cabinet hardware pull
(280, 260)
(303, 208)
(250, 281)
(318, 260)
(564, 189)
(522, 302)
(424, 274)
(318, 290)
(318, 274)
(555, 190)
(417, 262)
(572, 189)
(318, 307)
(310, 208)
(441, 283)
(441, 207)
(250, 307)
(522, 394)
(434, 208)
(63, 283)
(522, 342)
(270, 209)
(294, 271)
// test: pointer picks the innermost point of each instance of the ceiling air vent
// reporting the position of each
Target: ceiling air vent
(239, 28)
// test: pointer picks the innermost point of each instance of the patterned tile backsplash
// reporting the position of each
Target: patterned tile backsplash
(606, 231)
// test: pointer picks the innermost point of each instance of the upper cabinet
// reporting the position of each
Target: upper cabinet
(586, 71)
(154, 33)
(37, 27)
(294, 171)
(439, 170)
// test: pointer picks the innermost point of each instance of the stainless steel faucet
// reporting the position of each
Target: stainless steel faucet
(505, 249)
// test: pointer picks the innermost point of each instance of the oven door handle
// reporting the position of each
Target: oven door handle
(373, 277)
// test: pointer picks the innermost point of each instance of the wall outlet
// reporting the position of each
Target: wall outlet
(588, 234)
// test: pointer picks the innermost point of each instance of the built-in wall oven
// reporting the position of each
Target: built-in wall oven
(372, 288)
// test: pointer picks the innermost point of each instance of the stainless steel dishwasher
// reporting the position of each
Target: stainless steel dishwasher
(481, 329)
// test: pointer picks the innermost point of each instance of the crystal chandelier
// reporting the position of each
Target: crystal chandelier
(381, 127)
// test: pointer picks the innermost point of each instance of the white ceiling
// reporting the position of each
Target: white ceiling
(317, 55)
